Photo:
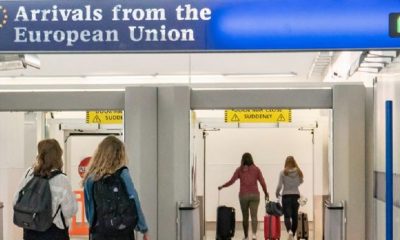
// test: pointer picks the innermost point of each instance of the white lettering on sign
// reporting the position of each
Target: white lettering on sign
(137, 14)
(69, 37)
(139, 33)
(134, 32)
(55, 14)
(190, 13)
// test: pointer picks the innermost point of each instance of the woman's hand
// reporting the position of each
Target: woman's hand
(146, 236)
(220, 187)
(278, 195)
(266, 196)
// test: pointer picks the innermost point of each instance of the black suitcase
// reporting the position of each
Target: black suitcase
(302, 228)
(225, 223)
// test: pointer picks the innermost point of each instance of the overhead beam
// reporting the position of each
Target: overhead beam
(62, 101)
(262, 98)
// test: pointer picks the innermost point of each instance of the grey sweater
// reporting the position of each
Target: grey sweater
(290, 183)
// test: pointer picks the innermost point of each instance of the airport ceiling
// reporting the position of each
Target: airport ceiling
(258, 67)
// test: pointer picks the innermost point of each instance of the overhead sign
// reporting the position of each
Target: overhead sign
(192, 26)
(258, 115)
(104, 117)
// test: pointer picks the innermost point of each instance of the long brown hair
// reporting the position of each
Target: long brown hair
(291, 164)
(49, 158)
(108, 158)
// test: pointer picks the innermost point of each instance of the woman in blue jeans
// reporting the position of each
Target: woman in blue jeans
(290, 179)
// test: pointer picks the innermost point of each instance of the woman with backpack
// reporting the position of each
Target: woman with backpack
(111, 202)
(249, 196)
(45, 215)
(290, 179)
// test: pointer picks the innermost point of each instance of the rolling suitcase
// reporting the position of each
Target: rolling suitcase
(302, 227)
(272, 227)
(225, 222)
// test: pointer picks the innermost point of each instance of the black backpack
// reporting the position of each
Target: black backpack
(115, 212)
(33, 209)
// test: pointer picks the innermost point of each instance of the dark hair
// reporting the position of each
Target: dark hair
(247, 159)
(49, 158)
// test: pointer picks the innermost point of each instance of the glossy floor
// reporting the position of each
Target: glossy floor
(210, 233)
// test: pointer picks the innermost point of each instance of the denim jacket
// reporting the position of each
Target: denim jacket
(89, 202)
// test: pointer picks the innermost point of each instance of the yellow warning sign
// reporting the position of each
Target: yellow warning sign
(258, 115)
(104, 117)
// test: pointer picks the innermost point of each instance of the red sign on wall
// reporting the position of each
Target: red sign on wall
(83, 165)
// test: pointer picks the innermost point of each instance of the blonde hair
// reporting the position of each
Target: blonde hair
(108, 158)
(291, 164)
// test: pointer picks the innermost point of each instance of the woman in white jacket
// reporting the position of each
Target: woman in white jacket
(49, 159)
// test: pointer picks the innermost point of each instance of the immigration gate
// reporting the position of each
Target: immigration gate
(157, 136)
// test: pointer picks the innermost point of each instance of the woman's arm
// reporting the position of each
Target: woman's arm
(262, 182)
(89, 203)
(130, 188)
(69, 206)
(231, 181)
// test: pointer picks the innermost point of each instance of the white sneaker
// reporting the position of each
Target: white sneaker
(290, 236)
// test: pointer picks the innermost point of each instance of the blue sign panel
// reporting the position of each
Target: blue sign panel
(197, 26)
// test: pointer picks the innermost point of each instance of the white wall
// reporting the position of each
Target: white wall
(300, 117)
(269, 148)
(12, 166)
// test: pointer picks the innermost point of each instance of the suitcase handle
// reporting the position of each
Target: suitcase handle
(219, 193)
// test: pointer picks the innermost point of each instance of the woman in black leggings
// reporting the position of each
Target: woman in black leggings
(290, 179)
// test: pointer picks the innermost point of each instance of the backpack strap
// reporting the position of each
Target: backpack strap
(54, 173)
(29, 171)
(62, 216)
(119, 171)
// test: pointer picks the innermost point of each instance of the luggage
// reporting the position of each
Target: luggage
(274, 208)
(302, 227)
(225, 222)
(33, 209)
(115, 212)
(272, 227)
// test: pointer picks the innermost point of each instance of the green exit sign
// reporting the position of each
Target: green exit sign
(394, 24)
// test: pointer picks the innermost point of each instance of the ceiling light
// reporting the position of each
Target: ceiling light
(373, 64)
(14, 62)
(31, 60)
(259, 75)
(378, 59)
(368, 69)
(11, 65)
(392, 54)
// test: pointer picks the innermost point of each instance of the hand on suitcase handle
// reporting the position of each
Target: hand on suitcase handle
(267, 197)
